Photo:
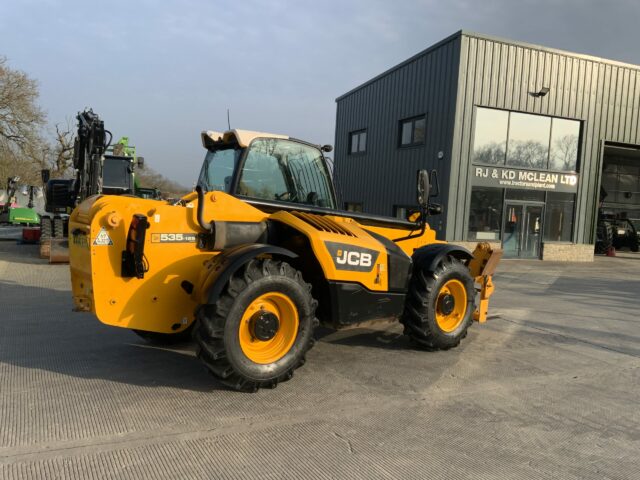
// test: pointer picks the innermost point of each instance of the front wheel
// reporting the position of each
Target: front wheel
(439, 305)
(260, 328)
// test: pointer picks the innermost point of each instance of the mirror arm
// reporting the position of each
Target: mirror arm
(424, 209)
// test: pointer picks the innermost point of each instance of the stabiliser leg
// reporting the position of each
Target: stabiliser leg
(482, 267)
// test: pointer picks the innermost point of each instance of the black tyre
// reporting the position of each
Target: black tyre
(261, 327)
(604, 237)
(439, 306)
(58, 228)
(156, 338)
(634, 242)
(45, 228)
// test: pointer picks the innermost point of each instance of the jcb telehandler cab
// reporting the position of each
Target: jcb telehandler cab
(259, 254)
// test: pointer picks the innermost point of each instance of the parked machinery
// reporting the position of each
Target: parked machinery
(13, 214)
(100, 169)
(615, 229)
(259, 254)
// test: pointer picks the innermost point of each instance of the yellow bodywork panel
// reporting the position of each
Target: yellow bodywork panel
(155, 303)
(345, 249)
(98, 231)
(373, 276)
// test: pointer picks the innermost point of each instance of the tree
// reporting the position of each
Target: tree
(148, 177)
(60, 155)
(564, 153)
(21, 145)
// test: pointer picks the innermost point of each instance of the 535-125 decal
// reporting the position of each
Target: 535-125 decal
(173, 238)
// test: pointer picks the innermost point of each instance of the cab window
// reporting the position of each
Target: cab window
(285, 171)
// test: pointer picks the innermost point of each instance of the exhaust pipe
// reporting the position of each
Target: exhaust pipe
(207, 226)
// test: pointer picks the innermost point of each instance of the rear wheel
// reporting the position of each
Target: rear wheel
(261, 327)
(439, 305)
(604, 234)
(634, 238)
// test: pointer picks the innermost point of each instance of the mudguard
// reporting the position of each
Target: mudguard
(430, 256)
(222, 267)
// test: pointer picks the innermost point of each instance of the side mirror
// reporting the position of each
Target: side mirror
(140, 161)
(423, 188)
(433, 180)
(326, 148)
(45, 174)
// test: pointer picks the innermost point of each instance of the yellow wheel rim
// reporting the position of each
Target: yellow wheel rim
(273, 349)
(451, 305)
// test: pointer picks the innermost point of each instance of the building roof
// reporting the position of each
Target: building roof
(468, 33)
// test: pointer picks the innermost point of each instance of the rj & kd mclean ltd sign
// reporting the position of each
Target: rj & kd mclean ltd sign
(528, 179)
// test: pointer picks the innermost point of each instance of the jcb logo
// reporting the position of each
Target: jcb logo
(351, 257)
(354, 258)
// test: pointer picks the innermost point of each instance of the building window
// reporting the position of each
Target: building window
(621, 181)
(525, 141)
(485, 216)
(528, 145)
(490, 140)
(563, 154)
(353, 207)
(403, 212)
(558, 217)
(358, 142)
(412, 131)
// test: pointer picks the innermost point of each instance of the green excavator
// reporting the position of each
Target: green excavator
(101, 168)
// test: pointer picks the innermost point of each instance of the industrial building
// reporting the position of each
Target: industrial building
(523, 137)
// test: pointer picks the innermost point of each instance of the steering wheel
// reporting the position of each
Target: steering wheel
(292, 196)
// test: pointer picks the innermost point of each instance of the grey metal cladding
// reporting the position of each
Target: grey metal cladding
(385, 174)
(502, 74)
(446, 82)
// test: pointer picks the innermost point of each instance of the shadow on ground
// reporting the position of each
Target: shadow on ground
(50, 336)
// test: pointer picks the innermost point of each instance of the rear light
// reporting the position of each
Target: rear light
(134, 263)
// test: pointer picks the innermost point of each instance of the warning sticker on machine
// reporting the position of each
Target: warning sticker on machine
(103, 238)
(173, 238)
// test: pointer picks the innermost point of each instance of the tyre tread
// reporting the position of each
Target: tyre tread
(415, 318)
(211, 325)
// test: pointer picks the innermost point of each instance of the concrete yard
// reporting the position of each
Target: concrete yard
(549, 387)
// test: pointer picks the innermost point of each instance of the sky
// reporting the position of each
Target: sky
(160, 72)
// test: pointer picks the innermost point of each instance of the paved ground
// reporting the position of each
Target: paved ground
(548, 388)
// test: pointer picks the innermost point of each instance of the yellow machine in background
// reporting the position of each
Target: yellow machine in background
(251, 262)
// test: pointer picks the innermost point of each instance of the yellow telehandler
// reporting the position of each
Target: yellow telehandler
(253, 260)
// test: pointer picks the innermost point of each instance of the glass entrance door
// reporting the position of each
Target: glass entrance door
(522, 230)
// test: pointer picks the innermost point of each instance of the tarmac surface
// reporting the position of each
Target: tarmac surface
(547, 388)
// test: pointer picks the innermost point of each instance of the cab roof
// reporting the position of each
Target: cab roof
(241, 137)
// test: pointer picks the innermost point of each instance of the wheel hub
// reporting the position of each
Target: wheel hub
(447, 304)
(264, 325)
